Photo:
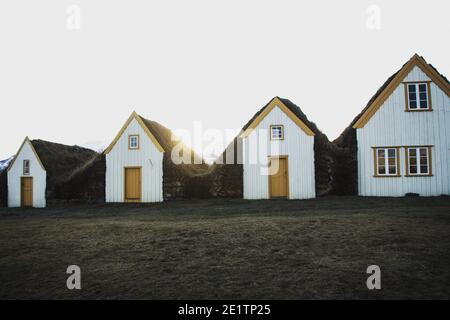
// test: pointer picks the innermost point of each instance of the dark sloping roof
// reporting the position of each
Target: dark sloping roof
(60, 161)
(168, 141)
(164, 135)
(299, 113)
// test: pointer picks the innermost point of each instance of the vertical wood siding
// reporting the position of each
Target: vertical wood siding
(148, 157)
(392, 126)
(299, 148)
(39, 179)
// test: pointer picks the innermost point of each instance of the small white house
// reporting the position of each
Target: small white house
(38, 170)
(278, 153)
(27, 178)
(134, 164)
(403, 135)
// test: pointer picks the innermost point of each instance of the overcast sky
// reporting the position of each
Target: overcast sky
(177, 62)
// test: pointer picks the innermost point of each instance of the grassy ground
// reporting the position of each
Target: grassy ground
(230, 249)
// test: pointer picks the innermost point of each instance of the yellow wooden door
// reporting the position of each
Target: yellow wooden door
(132, 184)
(26, 194)
(278, 178)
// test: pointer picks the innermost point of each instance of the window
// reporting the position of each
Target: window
(133, 142)
(26, 167)
(418, 96)
(386, 162)
(418, 161)
(276, 132)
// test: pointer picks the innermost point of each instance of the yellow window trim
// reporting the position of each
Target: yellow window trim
(415, 61)
(138, 142)
(133, 116)
(32, 149)
(276, 102)
(375, 163)
(430, 161)
(282, 132)
(430, 105)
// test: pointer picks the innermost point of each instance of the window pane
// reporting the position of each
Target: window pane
(424, 161)
(412, 152)
(412, 88)
(277, 132)
(381, 158)
(423, 104)
(26, 167)
(413, 104)
(412, 169)
(423, 152)
(423, 96)
(391, 161)
(422, 87)
(392, 170)
(391, 153)
(134, 142)
(381, 153)
(412, 96)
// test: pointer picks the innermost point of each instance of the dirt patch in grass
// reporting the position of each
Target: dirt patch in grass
(232, 249)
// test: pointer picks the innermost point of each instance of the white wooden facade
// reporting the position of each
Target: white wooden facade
(393, 126)
(36, 171)
(297, 146)
(149, 157)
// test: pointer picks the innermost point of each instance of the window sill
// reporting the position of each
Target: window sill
(387, 176)
(418, 175)
(419, 110)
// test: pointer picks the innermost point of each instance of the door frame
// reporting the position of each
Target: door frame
(125, 184)
(21, 190)
(285, 156)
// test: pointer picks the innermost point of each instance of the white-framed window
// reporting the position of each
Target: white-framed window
(133, 141)
(419, 161)
(26, 167)
(277, 132)
(386, 162)
(417, 96)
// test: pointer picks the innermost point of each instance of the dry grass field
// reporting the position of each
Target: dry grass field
(230, 249)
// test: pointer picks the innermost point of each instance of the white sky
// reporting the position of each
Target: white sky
(215, 61)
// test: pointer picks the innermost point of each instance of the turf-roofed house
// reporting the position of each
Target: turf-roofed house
(283, 154)
(403, 135)
(39, 167)
(147, 163)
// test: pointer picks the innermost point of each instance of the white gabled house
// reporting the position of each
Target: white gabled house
(134, 164)
(403, 135)
(278, 153)
(38, 169)
(27, 178)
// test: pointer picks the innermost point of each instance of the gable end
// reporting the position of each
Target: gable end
(133, 116)
(276, 102)
(27, 140)
(393, 82)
